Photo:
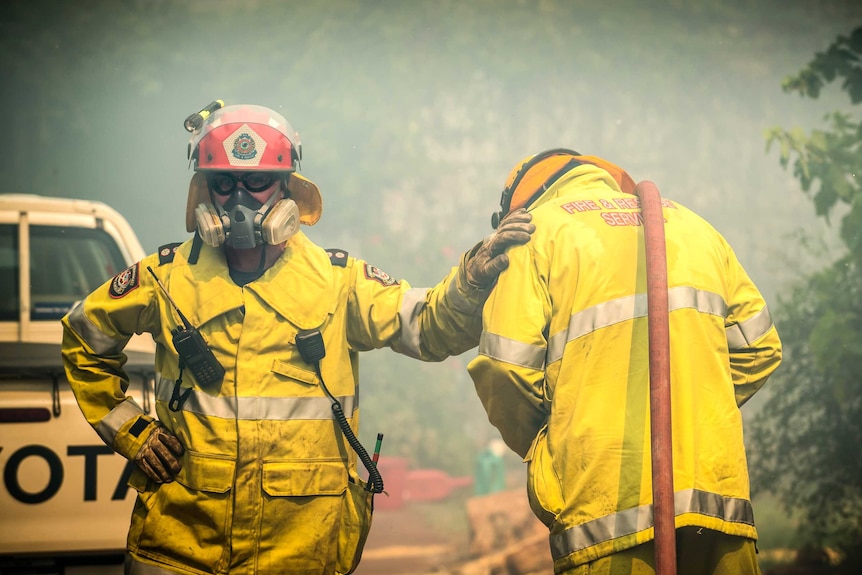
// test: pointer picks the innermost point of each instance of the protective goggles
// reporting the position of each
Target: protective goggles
(224, 183)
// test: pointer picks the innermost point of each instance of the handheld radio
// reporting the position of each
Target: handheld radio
(193, 350)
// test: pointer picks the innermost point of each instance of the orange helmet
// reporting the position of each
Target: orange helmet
(533, 175)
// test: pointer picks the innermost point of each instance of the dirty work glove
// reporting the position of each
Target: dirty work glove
(159, 456)
(488, 259)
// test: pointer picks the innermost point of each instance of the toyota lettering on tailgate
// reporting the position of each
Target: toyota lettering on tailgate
(12, 469)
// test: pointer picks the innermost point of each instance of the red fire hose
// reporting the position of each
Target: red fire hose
(659, 375)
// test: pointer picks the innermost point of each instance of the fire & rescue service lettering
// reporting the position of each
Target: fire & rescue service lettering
(616, 217)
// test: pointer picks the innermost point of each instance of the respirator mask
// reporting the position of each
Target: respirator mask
(243, 222)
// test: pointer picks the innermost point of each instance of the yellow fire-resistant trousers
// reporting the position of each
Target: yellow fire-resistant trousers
(698, 552)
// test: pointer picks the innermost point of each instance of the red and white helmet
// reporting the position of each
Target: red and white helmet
(250, 138)
(245, 137)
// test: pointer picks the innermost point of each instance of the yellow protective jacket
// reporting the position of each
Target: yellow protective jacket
(268, 483)
(563, 368)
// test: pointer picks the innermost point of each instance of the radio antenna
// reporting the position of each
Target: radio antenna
(170, 299)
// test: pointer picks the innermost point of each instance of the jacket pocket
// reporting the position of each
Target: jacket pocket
(211, 473)
(162, 531)
(543, 486)
(313, 517)
(355, 524)
(304, 477)
(321, 488)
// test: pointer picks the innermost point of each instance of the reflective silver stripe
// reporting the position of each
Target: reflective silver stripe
(627, 308)
(100, 342)
(411, 305)
(741, 335)
(594, 318)
(556, 346)
(111, 423)
(511, 351)
(256, 408)
(703, 301)
(640, 518)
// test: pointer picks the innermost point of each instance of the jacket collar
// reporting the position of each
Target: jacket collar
(583, 177)
(299, 286)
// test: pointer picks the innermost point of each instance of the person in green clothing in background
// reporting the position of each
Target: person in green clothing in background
(490, 469)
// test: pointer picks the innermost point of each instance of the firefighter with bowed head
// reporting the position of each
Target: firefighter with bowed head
(563, 371)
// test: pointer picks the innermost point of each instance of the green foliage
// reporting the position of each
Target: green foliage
(805, 441)
(828, 162)
(807, 436)
(840, 60)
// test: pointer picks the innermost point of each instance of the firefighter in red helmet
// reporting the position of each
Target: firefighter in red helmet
(250, 465)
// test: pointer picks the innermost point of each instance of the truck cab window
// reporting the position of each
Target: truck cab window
(9, 296)
(65, 265)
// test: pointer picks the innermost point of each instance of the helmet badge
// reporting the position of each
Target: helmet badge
(245, 147)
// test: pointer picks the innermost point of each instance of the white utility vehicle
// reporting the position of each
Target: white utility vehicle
(64, 500)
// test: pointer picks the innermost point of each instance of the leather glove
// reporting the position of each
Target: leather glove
(489, 258)
(159, 456)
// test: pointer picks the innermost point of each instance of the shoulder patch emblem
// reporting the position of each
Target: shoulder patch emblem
(378, 275)
(337, 257)
(167, 253)
(125, 281)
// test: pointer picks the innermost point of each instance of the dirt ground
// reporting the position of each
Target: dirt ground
(494, 533)
(403, 541)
